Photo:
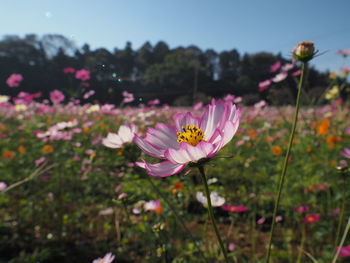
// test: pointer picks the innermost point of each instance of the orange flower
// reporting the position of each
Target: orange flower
(119, 153)
(8, 155)
(21, 149)
(47, 148)
(308, 149)
(177, 187)
(252, 134)
(276, 150)
(86, 129)
(159, 209)
(322, 129)
(332, 140)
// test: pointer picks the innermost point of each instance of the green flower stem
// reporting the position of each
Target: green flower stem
(302, 243)
(342, 210)
(285, 164)
(178, 218)
(210, 211)
(347, 228)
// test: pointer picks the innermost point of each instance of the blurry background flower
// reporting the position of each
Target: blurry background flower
(216, 200)
(14, 80)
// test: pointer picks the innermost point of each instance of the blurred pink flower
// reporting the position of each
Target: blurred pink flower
(26, 98)
(311, 218)
(345, 69)
(82, 74)
(335, 212)
(296, 73)
(344, 251)
(3, 186)
(198, 105)
(14, 80)
(108, 258)
(347, 130)
(125, 135)
(122, 196)
(278, 219)
(68, 70)
(40, 160)
(236, 209)
(287, 67)
(85, 84)
(344, 52)
(231, 246)
(280, 77)
(128, 97)
(302, 209)
(346, 153)
(106, 212)
(261, 221)
(152, 205)
(264, 85)
(275, 66)
(190, 139)
(153, 102)
(56, 96)
(88, 94)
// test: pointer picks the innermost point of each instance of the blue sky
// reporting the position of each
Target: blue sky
(247, 25)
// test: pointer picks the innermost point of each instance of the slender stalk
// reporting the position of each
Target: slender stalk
(210, 211)
(302, 243)
(347, 228)
(342, 211)
(178, 218)
(285, 164)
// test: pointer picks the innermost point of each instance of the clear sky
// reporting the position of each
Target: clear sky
(247, 25)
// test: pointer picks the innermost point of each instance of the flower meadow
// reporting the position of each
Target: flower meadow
(107, 183)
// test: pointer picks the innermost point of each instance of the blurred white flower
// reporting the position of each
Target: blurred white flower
(216, 200)
(125, 135)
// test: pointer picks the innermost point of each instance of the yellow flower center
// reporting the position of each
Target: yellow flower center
(191, 134)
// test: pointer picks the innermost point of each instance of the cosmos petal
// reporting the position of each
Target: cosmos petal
(229, 131)
(149, 148)
(163, 169)
(184, 119)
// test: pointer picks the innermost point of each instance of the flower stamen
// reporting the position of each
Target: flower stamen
(190, 134)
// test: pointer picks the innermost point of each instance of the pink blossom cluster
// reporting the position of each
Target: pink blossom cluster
(128, 97)
(26, 98)
(280, 76)
(59, 132)
(14, 80)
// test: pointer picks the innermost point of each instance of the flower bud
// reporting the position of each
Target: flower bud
(304, 51)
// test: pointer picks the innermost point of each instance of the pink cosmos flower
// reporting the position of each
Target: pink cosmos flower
(344, 251)
(82, 74)
(237, 209)
(302, 209)
(280, 77)
(40, 160)
(345, 69)
(26, 98)
(14, 80)
(231, 246)
(128, 97)
(261, 221)
(88, 94)
(311, 218)
(275, 66)
(344, 52)
(3, 186)
(190, 139)
(264, 85)
(296, 73)
(287, 67)
(56, 96)
(68, 70)
(108, 258)
(346, 153)
(153, 205)
(125, 135)
(153, 102)
(197, 106)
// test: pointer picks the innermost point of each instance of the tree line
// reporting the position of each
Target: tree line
(178, 76)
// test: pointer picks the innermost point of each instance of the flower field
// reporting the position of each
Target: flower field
(70, 191)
